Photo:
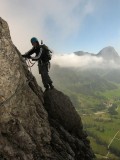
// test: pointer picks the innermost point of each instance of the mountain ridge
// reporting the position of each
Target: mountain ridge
(107, 53)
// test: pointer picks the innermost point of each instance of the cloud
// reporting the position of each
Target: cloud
(69, 16)
(51, 20)
(77, 62)
(85, 61)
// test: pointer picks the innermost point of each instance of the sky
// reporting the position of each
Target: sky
(66, 26)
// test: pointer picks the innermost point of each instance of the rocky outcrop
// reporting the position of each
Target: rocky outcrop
(35, 125)
(109, 53)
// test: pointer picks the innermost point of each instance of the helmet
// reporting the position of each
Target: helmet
(34, 40)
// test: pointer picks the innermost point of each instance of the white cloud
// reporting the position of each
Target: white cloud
(73, 60)
(78, 62)
(85, 61)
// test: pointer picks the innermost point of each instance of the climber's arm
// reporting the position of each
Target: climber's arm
(29, 53)
(38, 56)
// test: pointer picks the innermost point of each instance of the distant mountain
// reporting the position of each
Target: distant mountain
(109, 53)
(89, 80)
(82, 53)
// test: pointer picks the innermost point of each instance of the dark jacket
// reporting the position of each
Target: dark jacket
(40, 53)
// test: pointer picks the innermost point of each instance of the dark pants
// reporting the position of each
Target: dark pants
(43, 70)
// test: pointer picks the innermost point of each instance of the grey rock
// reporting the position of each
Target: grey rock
(35, 125)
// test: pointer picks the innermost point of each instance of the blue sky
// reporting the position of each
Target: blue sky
(64, 25)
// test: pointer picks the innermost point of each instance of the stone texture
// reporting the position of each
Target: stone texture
(35, 125)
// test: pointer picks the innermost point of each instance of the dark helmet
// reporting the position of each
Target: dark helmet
(34, 39)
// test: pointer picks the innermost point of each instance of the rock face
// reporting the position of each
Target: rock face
(35, 125)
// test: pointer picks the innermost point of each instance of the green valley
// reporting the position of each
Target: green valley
(97, 100)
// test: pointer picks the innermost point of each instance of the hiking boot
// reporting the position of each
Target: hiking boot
(47, 88)
(51, 86)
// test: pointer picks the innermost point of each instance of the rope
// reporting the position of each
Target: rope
(30, 64)
(16, 90)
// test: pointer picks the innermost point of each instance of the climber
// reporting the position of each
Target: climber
(42, 56)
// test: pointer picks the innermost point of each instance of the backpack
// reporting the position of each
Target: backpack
(46, 54)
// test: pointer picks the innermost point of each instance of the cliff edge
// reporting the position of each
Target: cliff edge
(35, 125)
